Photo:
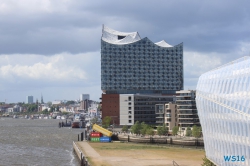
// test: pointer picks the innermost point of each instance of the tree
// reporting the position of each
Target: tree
(175, 130)
(164, 129)
(49, 103)
(32, 107)
(52, 109)
(150, 131)
(144, 128)
(45, 111)
(188, 132)
(70, 102)
(196, 132)
(136, 128)
(125, 128)
(94, 120)
(160, 130)
(106, 121)
(207, 162)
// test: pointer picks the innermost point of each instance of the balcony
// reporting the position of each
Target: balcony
(186, 113)
(189, 122)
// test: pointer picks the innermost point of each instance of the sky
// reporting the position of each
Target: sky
(52, 47)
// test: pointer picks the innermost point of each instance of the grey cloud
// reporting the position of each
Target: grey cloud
(203, 26)
(216, 30)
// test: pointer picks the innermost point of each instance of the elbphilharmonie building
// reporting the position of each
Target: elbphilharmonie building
(137, 73)
(223, 103)
(131, 64)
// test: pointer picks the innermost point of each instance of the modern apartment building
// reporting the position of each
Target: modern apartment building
(29, 99)
(186, 109)
(131, 65)
(126, 109)
(223, 102)
(166, 114)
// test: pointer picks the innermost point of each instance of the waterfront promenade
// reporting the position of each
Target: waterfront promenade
(124, 154)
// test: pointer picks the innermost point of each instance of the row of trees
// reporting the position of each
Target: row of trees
(195, 132)
(145, 129)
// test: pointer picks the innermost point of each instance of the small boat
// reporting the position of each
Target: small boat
(58, 117)
(75, 124)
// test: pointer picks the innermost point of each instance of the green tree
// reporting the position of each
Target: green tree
(164, 129)
(160, 130)
(32, 107)
(196, 132)
(175, 130)
(136, 128)
(125, 128)
(207, 162)
(45, 111)
(52, 108)
(188, 132)
(70, 102)
(49, 103)
(150, 131)
(106, 121)
(144, 128)
(94, 120)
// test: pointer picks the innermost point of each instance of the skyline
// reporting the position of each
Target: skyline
(53, 47)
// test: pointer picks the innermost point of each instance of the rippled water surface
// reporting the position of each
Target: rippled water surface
(36, 142)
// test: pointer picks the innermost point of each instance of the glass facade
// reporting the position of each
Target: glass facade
(140, 66)
(144, 107)
(223, 103)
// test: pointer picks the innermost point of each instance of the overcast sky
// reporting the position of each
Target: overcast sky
(53, 46)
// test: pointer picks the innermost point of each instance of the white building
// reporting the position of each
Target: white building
(223, 100)
(56, 102)
(84, 97)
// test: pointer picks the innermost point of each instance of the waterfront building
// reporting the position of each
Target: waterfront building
(223, 102)
(29, 99)
(131, 65)
(134, 65)
(186, 110)
(166, 114)
(126, 109)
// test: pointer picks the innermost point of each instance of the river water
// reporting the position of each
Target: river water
(36, 142)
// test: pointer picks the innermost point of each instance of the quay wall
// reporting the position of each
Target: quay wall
(83, 160)
(162, 140)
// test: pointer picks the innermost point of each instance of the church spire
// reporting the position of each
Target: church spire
(42, 99)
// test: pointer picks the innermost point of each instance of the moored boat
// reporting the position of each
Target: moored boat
(75, 124)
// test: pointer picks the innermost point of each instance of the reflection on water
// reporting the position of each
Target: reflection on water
(36, 142)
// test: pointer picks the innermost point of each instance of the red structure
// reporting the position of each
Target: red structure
(111, 107)
(95, 134)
